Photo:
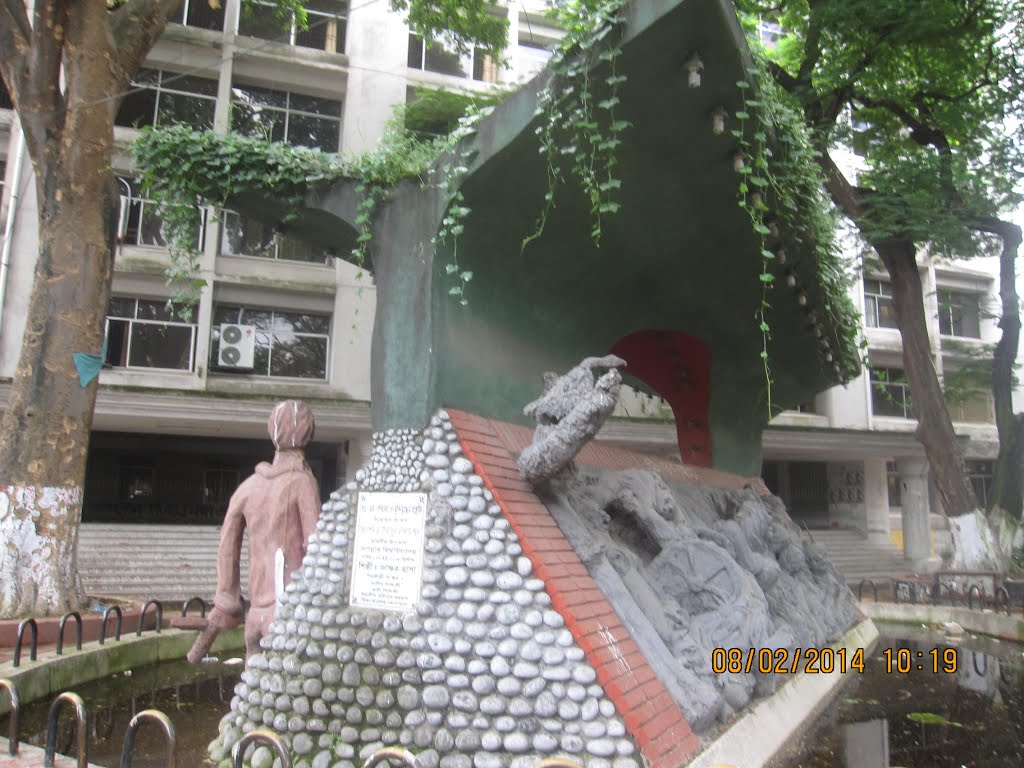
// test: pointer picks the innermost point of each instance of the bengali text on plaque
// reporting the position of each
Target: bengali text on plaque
(387, 557)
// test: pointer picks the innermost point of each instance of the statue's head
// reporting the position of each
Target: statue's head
(291, 425)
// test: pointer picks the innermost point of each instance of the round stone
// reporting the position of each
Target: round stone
(483, 684)
(601, 747)
(516, 742)
(584, 674)
(436, 697)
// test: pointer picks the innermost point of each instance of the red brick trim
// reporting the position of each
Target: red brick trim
(651, 716)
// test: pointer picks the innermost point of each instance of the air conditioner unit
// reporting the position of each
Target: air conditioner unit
(237, 346)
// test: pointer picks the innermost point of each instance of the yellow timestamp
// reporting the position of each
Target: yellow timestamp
(785, 660)
(902, 661)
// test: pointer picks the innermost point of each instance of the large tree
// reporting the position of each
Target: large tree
(929, 92)
(67, 65)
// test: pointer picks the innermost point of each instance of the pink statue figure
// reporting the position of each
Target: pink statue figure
(279, 504)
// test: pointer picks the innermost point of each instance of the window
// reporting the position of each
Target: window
(140, 222)
(892, 477)
(244, 236)
(971, 405)
(435, 57)
(890, 393)
(959, 314)
(218, 485)
(135, 483)
(325, 28)
(288, 344)
(981, 474)
(162, 98)
(306, 121)
(878, 308)
(146, 333)
(200, 13)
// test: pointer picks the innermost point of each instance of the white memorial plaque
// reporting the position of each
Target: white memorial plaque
(387, 556)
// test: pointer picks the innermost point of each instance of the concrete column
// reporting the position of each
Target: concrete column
(917, 545)
(360, 448)
(377, 47)
(876, 501)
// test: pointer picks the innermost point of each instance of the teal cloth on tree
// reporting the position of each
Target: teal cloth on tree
(88, 365)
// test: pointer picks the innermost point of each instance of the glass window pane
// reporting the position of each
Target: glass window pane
(307, 131)
(438, 59)
(160, 346)
(261, 20)
(117, 342)
(244, 236)
(151, 226)
(255, 96)
(261, 362)
(293, 249)
(193, 111)
(299, 323)
(189, 84)
(299, 356)
(415, 55)
(886, 314)
(315, 105)
(120, 307)
(202, 14)
(137, 110)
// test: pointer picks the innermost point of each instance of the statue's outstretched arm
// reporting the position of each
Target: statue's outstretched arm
(227, 606)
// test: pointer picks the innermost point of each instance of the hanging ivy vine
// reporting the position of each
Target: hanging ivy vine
(579, 132)
(781, 190)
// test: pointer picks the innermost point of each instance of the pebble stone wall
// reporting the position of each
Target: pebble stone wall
(483, 674)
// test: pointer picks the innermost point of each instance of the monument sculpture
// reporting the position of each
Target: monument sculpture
(569, 413)
(279, 505)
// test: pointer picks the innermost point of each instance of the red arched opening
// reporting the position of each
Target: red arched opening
(677, 366)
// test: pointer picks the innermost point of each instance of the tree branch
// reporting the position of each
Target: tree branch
(135, 26)
(41, 103)
(848, 197)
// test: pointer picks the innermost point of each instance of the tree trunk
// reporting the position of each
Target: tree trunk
(935, 428)
(1006, 491)
(48, 418)
(975, 544)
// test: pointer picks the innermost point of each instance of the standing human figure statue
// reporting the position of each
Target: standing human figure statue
(279, 505)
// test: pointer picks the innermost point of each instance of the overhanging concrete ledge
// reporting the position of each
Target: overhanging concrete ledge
(765, 728)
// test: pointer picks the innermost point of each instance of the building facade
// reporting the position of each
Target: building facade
(184, 397)
(181, 418)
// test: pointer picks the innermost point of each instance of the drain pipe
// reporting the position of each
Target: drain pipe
(12, 207)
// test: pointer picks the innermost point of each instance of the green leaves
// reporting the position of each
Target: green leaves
(578, 132)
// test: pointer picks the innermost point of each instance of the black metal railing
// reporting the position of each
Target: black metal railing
(860, 589)
(118, 617)
(159, 608)
(970, 596)
(81, 735)
(937, 593)
(78, 631)
(1001, 598)
(158, 717)
(34, 648)
(192, 601)
(265, 736)
(15, 715)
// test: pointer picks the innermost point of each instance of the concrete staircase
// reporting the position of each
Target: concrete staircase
(147, 561)
(855, 559)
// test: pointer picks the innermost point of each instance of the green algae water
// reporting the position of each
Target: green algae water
(924, 700)
(193, 697)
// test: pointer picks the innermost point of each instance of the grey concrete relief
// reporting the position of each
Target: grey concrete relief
(691, 568)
